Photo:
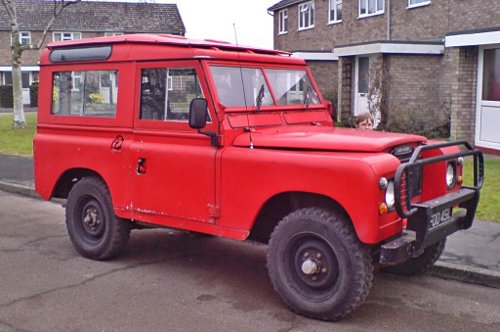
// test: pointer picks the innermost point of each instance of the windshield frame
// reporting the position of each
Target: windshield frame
(263, 68)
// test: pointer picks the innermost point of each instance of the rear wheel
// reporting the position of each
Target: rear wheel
(420, 263)
(317, 264)
(93, 228)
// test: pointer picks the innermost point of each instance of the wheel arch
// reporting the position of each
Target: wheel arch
(280, 205)
(68, 179)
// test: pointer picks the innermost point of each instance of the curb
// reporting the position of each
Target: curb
(17, 188)
(446, 270)
(464, 273)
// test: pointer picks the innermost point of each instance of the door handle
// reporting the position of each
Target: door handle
(141, 166)
(117, 143)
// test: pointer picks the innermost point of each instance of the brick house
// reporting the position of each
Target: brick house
(81, 20)
(438, 59)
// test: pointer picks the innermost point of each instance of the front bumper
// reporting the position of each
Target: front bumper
(430, 222)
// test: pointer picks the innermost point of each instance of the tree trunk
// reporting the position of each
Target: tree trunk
(19, 120)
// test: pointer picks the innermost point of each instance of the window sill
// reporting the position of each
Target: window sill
(306, 28)
(418, 5)
(282, 33)
(370, 15)
(334, 22)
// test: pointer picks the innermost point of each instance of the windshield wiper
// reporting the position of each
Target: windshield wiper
(260, 98)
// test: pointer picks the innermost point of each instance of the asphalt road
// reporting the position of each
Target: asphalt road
(176, 281)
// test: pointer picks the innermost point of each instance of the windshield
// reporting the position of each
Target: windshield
(241, 86)
(292, 87)
(246, 87)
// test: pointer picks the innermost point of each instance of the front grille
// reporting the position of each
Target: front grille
(412, 175)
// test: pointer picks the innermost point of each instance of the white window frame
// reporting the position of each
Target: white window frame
(282, 21)
(111, 34)
(306, 13)
(64, 35)
(377, 11)
(335, 4)
(26, 36)
(418, 3)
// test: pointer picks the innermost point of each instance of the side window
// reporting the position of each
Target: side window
(85, 93)
(167, 92)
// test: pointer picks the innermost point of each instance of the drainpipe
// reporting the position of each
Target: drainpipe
(388, 19)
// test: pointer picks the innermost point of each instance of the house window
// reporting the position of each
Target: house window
(306, 15)
(62, 36)
(110, 34)
(283, 21)
(25, 37)
(335, 11)
(418, 3)
(7, 78)
(491, 75)
(370, 7)
(25, 79)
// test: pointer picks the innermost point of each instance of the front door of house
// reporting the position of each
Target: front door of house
(362, 72)
(488, 103)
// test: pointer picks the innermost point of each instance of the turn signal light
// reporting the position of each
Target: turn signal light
(460, 180)
(383, 209)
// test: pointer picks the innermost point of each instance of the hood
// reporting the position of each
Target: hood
(325, 138)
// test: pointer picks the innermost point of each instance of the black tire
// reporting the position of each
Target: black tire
(93, 228)
(342, 273)
(417, 265)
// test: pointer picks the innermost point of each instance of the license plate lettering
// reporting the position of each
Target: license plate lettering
(440, 217)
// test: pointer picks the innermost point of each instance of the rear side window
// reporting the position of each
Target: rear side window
(85, 93)
(167, 92)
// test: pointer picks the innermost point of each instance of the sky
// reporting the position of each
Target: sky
(215, 19)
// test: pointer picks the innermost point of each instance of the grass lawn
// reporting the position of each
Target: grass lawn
(19, 141)
(489, 203)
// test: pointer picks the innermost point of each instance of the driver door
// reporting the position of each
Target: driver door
(173, 165)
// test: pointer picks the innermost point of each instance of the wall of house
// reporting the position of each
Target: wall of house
(425, 23)
(30, 58)
(325, 74)
(414, 90)
(464, 92)
(441, 17)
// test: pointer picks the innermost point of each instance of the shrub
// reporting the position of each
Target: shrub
(34, 94)
(6, 97)
(427, 123)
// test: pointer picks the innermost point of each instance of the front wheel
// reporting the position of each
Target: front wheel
(317, 264)
(93, 228)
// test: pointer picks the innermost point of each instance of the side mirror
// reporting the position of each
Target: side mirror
(198, 113)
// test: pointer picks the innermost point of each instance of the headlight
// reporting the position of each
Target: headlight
(389, 195)
(450, 175)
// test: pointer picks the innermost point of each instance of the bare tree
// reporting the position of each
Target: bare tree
(17, 49)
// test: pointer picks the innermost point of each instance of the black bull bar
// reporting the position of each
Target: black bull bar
(422, 228)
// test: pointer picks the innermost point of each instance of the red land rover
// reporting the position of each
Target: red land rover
(237, 142)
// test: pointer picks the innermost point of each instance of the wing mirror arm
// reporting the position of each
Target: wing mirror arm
(198, 114)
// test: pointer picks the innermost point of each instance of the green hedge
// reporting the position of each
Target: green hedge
(34, 94)
(6, 98)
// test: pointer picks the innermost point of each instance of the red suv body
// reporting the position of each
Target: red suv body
(237, 142)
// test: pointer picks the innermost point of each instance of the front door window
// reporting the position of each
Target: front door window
(362, 84)
(488, 101)
(491, 75)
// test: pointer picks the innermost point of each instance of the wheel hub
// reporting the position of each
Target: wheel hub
(315, 263)
(310, 267)
(91, 219)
